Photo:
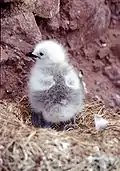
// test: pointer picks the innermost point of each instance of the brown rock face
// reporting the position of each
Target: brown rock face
(116, 50)
(114, 6)
(5, 1)
(87, 20)
(18, 35)
(54, 23)
(4, 56)
(17, 29)
(113, 73)
(44, 8)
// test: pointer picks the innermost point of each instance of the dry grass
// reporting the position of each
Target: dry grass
(79, 147)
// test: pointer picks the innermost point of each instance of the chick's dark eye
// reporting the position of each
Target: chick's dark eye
(41, 54)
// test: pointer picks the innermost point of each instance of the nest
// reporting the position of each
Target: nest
(79, 147)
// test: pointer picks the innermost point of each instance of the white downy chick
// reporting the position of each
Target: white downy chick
(55, 88)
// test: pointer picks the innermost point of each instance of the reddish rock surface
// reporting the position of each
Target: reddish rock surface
(114, 6)
(44, 8)
(17, 39)
(87, 20)
(79, 26)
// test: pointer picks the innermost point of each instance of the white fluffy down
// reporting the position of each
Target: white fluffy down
(100, 122)
(51, 49)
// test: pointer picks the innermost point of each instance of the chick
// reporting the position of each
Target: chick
(56, 93)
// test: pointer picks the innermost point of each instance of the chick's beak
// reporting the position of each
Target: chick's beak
(30, 54)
